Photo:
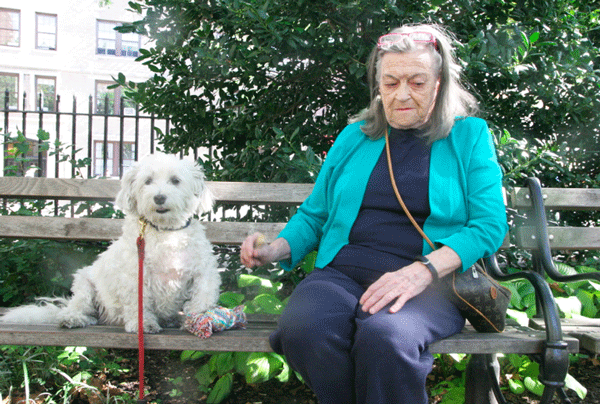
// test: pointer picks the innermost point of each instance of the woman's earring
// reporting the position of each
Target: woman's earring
(378, 98)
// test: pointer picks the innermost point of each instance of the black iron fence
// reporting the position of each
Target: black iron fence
(111, 141)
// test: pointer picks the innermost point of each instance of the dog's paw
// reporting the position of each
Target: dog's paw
(197, 307)
(76, 320)
(150, 327)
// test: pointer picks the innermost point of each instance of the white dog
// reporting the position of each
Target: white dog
(180, 269)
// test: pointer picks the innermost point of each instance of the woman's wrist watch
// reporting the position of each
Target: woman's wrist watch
(429, 266)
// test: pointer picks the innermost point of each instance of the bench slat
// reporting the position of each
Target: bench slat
(561, 238)
(560, 198)
(106, 190)
(59, 188)
(97, 229)
(521, 340)
(586, 330)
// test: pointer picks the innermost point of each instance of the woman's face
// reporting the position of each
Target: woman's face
(408, 87)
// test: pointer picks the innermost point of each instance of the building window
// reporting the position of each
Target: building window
(45, 31)
(111, 42)
(45, 93)
(10, 27)
(9, 82)
(112, 158)
(109, 100)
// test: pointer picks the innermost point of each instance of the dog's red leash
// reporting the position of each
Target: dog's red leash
(141, 245)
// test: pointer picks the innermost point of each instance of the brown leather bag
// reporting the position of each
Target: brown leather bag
(478, 297)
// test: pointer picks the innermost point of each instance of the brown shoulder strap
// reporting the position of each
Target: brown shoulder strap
(390, 169)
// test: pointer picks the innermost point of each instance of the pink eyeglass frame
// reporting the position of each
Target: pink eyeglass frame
(382, 43)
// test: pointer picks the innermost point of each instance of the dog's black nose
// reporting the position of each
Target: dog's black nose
(160, 199)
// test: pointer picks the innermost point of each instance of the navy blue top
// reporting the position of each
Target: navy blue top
(382, 238)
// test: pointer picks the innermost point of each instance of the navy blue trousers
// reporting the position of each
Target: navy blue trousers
(347, 356)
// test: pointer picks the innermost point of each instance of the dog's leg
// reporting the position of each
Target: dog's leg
(80, 310)
(151, 325)
(204, 294)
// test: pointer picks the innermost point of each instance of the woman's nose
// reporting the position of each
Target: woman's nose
(402, 93)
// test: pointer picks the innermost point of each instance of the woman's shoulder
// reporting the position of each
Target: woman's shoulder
(349, 137)
(353, 131)
(469, 124)
(468, 130)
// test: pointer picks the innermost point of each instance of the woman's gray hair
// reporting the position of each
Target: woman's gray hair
(453, 99)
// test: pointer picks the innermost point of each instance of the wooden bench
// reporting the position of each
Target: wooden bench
(548, 344)
(544, 239)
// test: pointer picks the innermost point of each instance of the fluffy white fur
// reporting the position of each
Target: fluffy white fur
(180, 270)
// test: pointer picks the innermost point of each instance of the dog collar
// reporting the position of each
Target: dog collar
(187, 224)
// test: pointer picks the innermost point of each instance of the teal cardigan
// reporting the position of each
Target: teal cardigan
(465, 195)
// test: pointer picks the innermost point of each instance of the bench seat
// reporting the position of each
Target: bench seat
(515, 339)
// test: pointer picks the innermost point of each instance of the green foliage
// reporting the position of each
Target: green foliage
(250, 79)
(59, 371)
(215, 377)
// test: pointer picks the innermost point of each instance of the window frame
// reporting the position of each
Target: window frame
(37, 31)
(119, 51)
(13, 94)
(18, 30)
(37, 93)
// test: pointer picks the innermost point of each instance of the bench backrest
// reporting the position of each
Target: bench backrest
(241, 193)
(557, 200)
(63, 228)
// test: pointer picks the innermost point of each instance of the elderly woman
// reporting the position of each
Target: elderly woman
(358, 327)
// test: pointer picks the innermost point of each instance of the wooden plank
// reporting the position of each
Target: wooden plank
(64, 189)
(515, 339)
(260, 193)
(521, 340)
(561, 238)
(559, 198)
(586, 330)
(234, 233)
(97, 229)
(60, 228)
(106, 190)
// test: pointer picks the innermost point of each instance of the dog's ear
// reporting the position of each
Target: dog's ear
(206, 199)
(126, 197)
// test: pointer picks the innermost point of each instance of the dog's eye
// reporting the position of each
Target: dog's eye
(148, 181)
(175, 181)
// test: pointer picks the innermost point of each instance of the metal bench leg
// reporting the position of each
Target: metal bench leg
(482, 375)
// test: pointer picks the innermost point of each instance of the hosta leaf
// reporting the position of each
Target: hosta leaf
(221, 390)
(258, 367)
(534, 385)
(516, 386)
(569, 305)
(573, 384)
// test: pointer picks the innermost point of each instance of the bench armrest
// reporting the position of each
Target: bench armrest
(554, 360)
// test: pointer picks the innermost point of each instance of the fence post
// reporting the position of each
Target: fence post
(57, 156)
(90, 118)
(105, 141)
(25, 114)
(6, 95)
(73, 137)
(121, 136)
(40, 126)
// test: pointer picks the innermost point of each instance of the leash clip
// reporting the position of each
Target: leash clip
(143, 223)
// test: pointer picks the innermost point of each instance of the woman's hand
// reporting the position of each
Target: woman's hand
(401, 285)
(256, 252)
(408, 282)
